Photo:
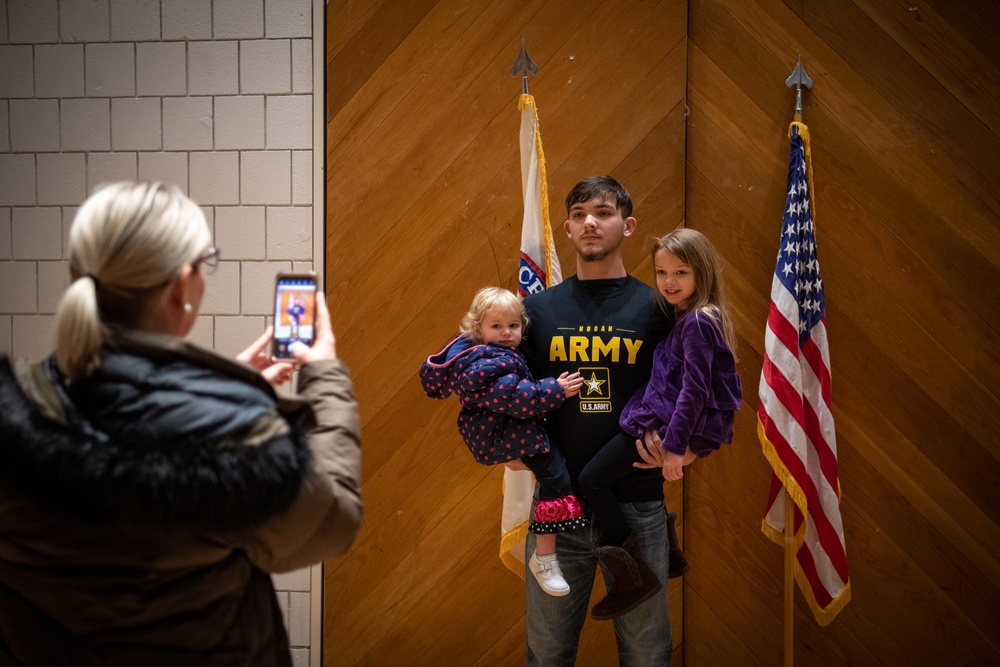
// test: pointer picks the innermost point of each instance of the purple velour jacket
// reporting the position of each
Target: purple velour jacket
(693, 391)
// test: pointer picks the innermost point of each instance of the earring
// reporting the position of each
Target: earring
(187, 307)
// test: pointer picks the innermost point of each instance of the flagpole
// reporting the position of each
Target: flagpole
(789, 574)
(538, 269)
(522, 66)
(798, 78)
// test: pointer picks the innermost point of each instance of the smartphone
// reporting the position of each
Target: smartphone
(294, 312)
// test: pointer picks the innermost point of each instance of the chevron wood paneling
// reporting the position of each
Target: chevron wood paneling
(684, 102)
(424, 207)
(904, 123)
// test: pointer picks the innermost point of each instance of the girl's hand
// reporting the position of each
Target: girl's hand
(325, 345)
(277, 373)
(516, 464)
(570, 383)
(673, 466)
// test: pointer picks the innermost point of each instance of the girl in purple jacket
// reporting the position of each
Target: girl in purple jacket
(690, 402)
(502, 412)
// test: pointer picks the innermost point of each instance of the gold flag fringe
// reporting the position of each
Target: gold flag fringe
(528, 100)
(510, 539)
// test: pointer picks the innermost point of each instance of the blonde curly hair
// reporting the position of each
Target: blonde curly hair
(490, 300)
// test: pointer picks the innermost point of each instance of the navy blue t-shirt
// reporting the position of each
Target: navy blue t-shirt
(607, 330)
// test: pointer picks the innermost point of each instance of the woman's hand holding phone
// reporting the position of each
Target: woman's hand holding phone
(325, 345)
(278, 372)
(275, 372)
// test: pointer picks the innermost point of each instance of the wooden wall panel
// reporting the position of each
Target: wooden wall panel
(906, 157)
(685, 103)
(424, 207)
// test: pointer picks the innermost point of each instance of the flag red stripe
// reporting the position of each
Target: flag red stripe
(827, 457)
(827, 534)
(783, 329)
(808, 565)
(782, 447)
(815, 402)
(784, 390)
(833, 548)
(814, 356)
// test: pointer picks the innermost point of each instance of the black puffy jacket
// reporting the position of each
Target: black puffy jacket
(143, 509)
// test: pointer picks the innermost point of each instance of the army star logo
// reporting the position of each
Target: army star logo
(595, 394)
(594, 384)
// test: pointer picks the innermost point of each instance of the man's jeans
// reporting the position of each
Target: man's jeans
(554, 623)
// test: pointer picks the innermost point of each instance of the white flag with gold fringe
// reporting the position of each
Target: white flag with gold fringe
(538, 269)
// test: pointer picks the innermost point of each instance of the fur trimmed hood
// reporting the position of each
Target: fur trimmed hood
(163, 434)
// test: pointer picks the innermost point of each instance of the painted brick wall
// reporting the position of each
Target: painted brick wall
(215, 96)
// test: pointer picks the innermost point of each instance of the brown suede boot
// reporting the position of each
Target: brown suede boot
(632, 581)
(678, 563)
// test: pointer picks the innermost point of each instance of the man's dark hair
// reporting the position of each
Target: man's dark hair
(604, 188)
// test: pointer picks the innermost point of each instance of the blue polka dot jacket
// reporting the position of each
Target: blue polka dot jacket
(503, 407)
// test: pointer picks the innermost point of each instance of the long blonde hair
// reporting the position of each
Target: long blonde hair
(127, 240)
(694, 249)
(491, 300)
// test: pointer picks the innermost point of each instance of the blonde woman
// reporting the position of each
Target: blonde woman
(148, 487)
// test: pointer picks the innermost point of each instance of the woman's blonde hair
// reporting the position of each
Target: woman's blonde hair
(491, 300)
(694, 249)
(127, 240)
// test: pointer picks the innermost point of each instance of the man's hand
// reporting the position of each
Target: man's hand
(651, 451)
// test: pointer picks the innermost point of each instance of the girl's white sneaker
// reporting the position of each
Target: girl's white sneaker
(548, 574)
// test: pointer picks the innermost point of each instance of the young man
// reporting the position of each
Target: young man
(604, 324)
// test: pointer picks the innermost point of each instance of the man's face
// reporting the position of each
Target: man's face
(596, 228)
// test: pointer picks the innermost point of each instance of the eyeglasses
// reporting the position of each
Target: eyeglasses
(209, 258)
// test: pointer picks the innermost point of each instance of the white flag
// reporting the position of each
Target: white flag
(538, 269)
(539, 266)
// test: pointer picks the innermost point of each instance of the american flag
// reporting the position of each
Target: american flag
(795, 419)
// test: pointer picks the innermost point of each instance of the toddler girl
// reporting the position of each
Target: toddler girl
(502, 412)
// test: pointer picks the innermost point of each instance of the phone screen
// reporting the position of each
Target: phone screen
(294, 312)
